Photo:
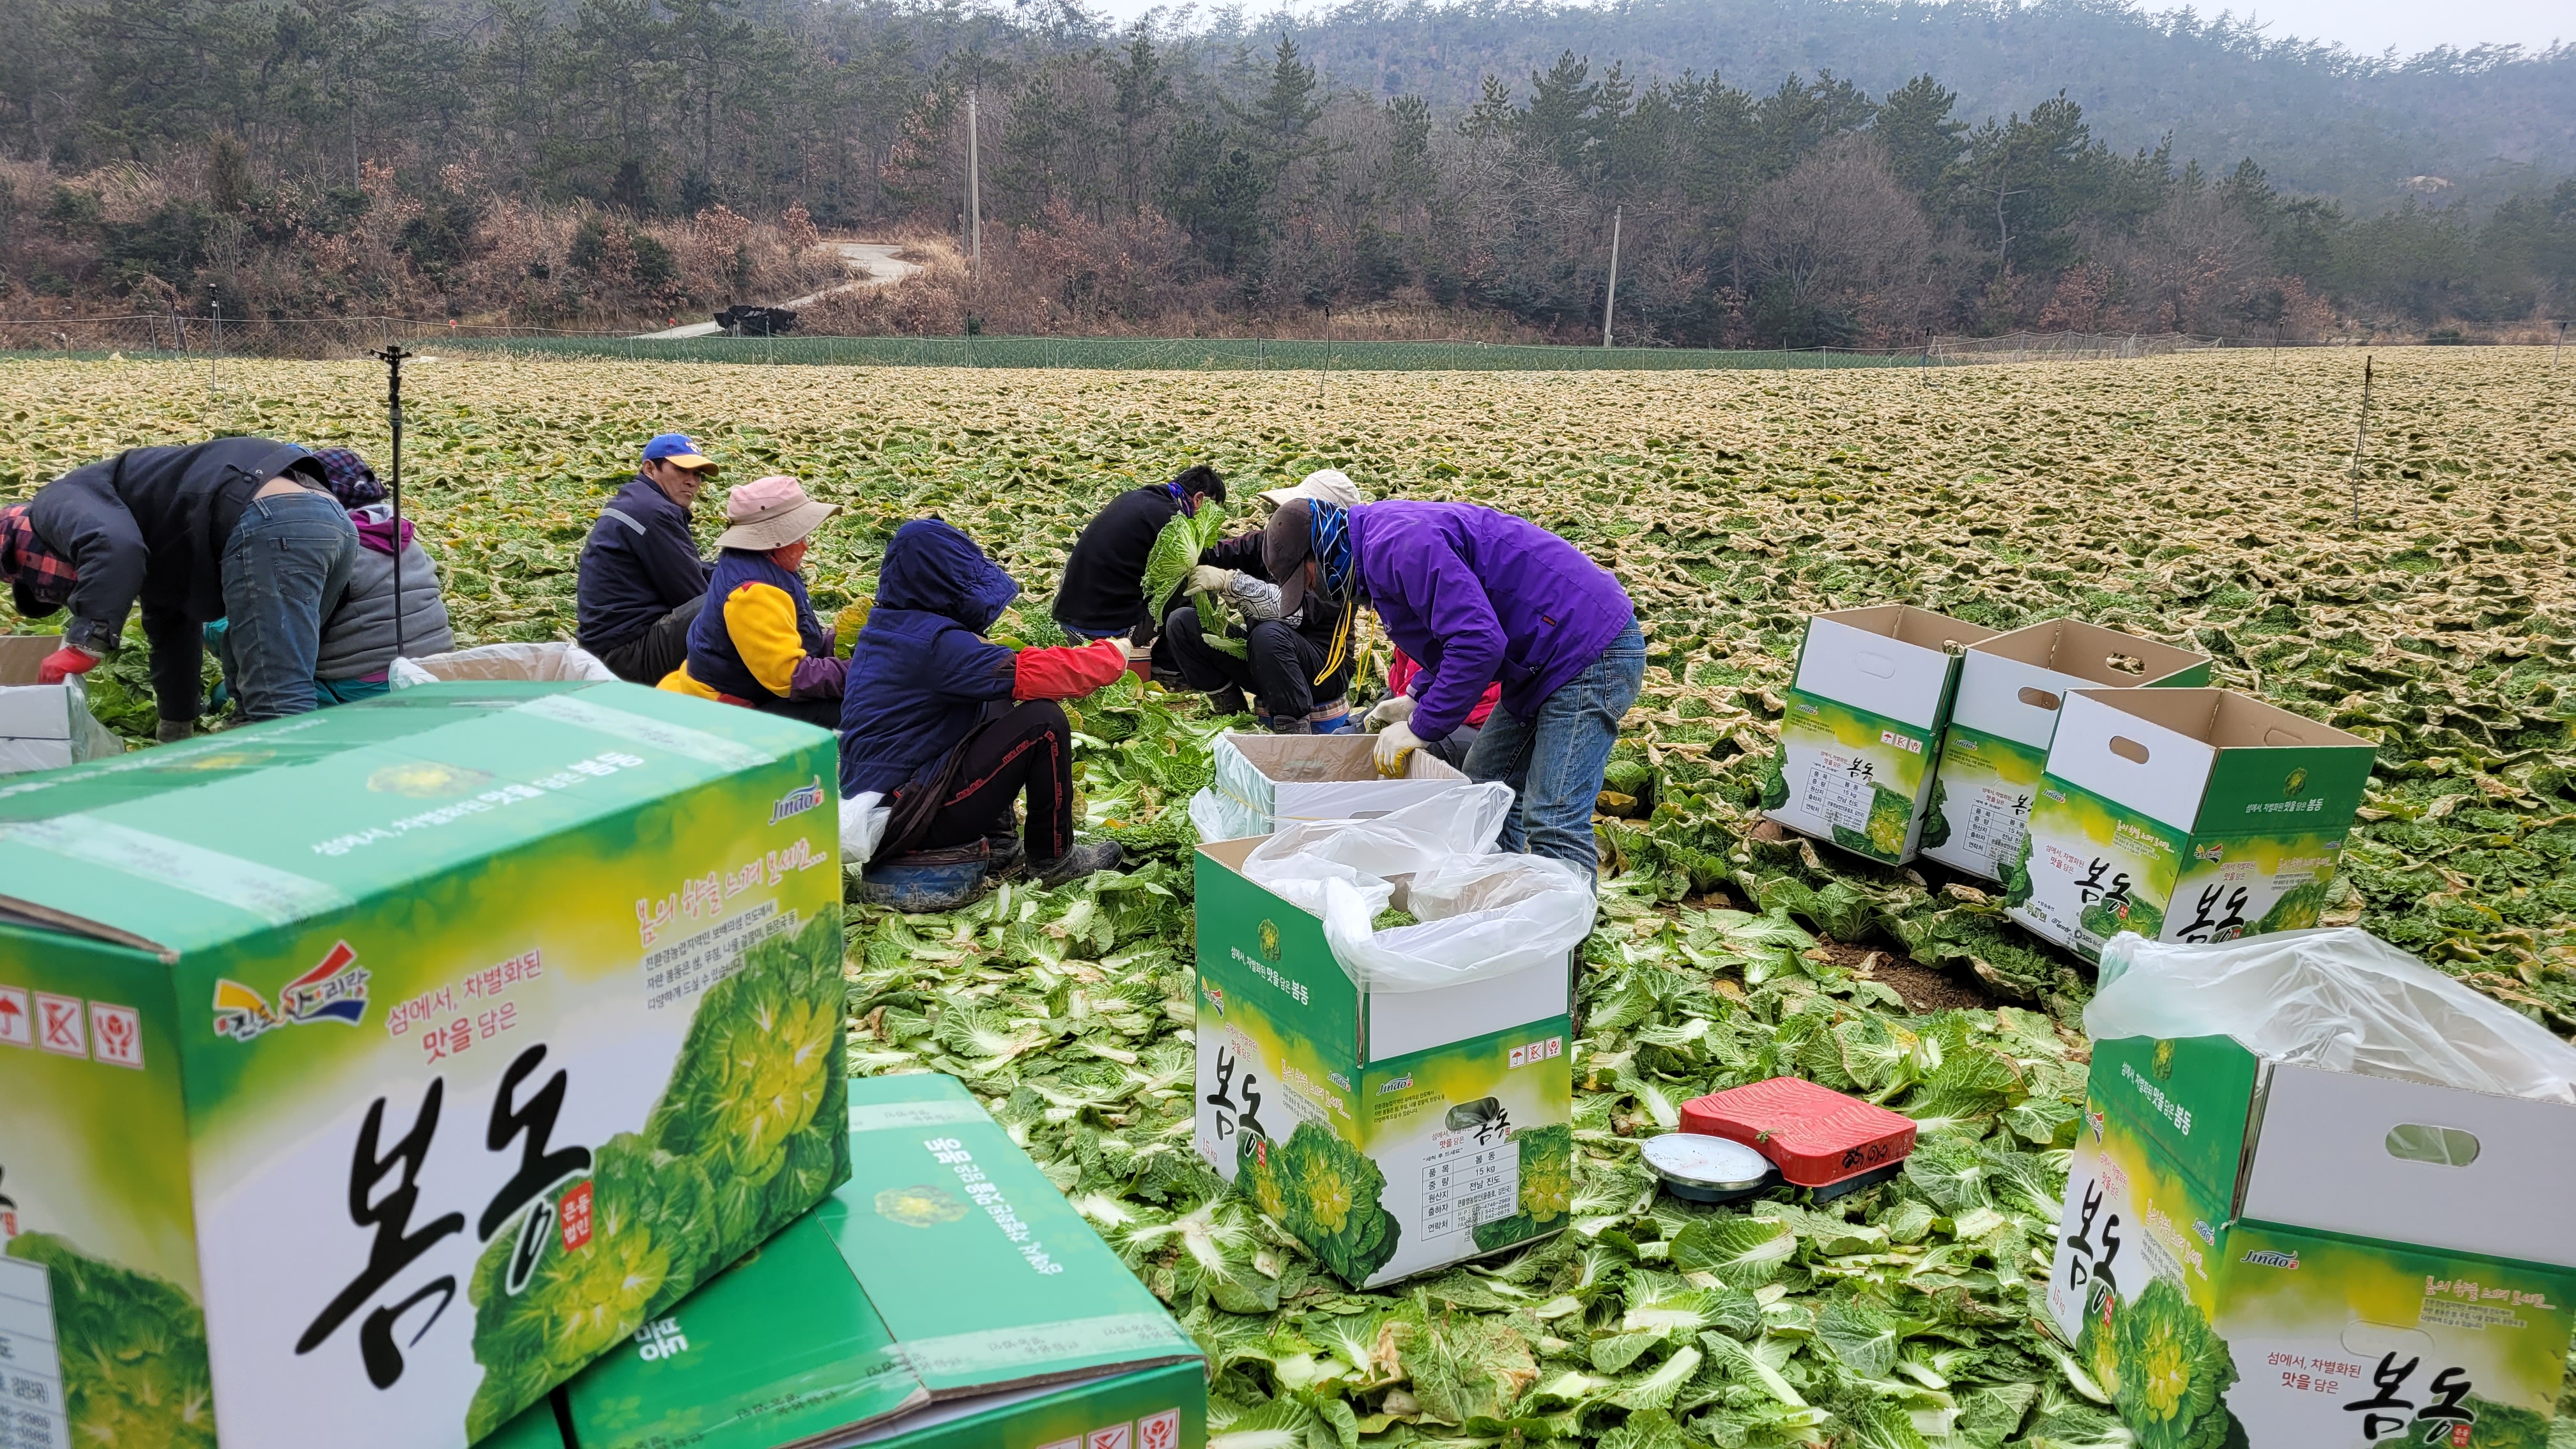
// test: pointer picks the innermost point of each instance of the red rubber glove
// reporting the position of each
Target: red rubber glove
(1067, 671)
(63, 663)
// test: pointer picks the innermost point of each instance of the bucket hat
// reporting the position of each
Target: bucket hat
(771, 512)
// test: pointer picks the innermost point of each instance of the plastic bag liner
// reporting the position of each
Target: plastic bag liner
(552, 663)
(2339, 999)
(1481, 915)
(863, 823)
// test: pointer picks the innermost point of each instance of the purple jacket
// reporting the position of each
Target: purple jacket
(1479, 597)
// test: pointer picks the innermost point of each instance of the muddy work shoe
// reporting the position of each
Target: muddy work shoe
(1005, 854)
(1074, 864)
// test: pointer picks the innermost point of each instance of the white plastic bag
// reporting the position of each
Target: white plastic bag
(549, 663)
(2340, 999)
(1481, 915)
(863, 823)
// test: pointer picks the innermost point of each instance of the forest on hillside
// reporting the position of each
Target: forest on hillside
(579, 163)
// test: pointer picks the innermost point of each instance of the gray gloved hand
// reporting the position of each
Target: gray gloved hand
(172, 731)
(1392, 710)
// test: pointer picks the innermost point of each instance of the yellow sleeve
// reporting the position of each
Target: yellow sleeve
(762, 620)
(680, 681)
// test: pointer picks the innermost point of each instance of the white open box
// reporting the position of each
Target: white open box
(2380, 1260)
(1265, 783)
(2184, 815)
(1863, 726)
(2011, 689)
(45, 725)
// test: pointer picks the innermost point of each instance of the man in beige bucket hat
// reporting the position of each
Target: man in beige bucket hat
(758, 642)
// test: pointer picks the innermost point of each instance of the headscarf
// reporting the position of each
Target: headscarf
(40, 579)
(1331, 545)
(349, 477)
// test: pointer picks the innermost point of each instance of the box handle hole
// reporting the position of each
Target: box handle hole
(1878, 664)
(2279, 736)
(2039, 698)
(2128, 749)
(2440, 1146)
(2124, 664)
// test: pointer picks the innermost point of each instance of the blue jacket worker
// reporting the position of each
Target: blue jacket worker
(954, 729)
(642, 578)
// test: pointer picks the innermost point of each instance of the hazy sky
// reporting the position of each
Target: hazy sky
(2368, 26)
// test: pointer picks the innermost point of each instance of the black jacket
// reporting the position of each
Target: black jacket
(150, 525)
(639, 564)
(1103, 591)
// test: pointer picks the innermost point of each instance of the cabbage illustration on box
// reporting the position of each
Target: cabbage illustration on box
(1866, 709)
(2368, 1282)
(2011, 689)
(2184, 815)
(380, 1067)
(1391, 1131)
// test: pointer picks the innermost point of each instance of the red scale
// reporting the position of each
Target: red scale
(1816, 1137)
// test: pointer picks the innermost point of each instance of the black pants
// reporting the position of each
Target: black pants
(661, 648)
(1027, 750)
(1278, 668)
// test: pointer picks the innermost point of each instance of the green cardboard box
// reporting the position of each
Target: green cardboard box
(2011, 688)
(947, 1297)
(1866, 709)
(2184, 815)
(2285, 1257)
(380, 1067)
(1392, 1131)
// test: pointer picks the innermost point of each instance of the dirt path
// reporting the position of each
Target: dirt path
(874, 262)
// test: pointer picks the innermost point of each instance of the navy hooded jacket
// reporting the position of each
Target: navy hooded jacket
(921, 672)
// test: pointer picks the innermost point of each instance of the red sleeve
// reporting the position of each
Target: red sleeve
(1068, 672)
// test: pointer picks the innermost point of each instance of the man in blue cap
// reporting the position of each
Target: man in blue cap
(642, 578)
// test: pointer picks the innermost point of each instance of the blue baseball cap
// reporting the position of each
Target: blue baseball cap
(676, 449)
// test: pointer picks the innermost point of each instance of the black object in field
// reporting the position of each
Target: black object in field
(756, 321)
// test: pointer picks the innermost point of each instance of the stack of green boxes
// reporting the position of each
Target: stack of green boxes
(946, 1298)
(382, 1067)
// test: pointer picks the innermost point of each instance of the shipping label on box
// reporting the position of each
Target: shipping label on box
(1392, 1133)
(2011, 688)
(384, 1065)
(2207, 1323)
(2184, 815)
(1863, 727)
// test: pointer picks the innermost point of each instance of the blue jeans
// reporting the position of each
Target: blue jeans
(285, 569)
(1554, 761)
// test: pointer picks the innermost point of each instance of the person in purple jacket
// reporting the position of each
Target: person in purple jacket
(1480, 597)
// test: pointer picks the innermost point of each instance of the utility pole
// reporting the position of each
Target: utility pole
(2559, 345)
(1610, 303)
(392, 356)
(2360, 431)
(974, 190)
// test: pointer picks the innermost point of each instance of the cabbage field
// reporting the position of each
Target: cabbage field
(2201, 499)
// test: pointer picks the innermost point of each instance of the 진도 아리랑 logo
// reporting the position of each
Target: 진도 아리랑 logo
(334, 990)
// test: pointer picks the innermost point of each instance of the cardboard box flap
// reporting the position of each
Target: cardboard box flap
(184, 846)
(2014, 684)
(2374, 1157)
(1891, 660)
(984, 1274)
(28, 710)
(2193, 1097)
(2131, 759)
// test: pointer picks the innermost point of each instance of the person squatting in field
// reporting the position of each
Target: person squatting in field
(1288, 664)
(952, 728)
(642, 582)
(760, 645)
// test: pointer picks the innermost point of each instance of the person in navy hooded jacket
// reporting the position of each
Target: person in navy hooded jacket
(952, 728)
